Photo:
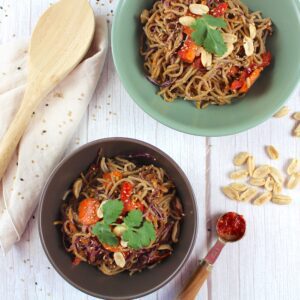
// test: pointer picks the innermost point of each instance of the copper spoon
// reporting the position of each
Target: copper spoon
(230, 227)
(59, 42)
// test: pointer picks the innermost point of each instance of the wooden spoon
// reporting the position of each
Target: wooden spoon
(59, 42)
(231, 228)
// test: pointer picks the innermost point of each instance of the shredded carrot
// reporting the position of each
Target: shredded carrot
(112, 176)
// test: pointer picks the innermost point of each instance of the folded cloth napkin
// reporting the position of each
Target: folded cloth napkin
(52, 126)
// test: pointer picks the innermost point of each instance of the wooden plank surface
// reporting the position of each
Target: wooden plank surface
(265, 265)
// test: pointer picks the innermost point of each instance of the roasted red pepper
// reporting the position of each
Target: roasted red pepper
(112, 248)
(130, 205)
(188, 51)
(251, 78)
(233, 71)
(126, 192)
(220, 10)
(187, 30)
(248, 74)
(238, 83)
(266, 57)
(112, 176)
(87, 211)
(198, 64)
(76, 261)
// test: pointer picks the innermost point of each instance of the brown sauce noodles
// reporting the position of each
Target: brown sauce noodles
(163, 36)
(152, 190)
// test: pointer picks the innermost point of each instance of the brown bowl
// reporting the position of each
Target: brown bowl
(87, 278)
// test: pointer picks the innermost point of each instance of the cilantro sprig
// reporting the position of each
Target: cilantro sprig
(111, 212)
(207, 35)
(138, 234)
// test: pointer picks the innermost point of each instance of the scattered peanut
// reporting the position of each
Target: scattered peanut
(293, 181)
(231, 193)
(248, 195)
(263, 198)
(199, 9)
(241, 158)
(251, 165)
(293, 166)
(281, 199)
(282, 112)
(187, 20)
(272, 152)
(261, 172)
(240, 174)
(239, 187)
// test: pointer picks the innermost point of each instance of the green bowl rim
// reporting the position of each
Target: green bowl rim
(174, 124)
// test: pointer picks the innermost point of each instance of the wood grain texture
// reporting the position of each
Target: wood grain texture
(264, 265)
(198, 279)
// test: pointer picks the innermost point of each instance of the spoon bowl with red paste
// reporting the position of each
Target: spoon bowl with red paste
(231, 227)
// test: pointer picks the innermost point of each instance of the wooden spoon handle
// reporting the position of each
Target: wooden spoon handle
(194, 285)
(12, 137)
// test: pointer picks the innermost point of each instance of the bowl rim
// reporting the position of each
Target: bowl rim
(194, 205)
(174, 124)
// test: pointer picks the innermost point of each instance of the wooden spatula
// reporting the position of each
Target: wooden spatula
(59, 42)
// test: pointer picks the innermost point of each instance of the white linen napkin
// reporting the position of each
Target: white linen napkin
(52, 126)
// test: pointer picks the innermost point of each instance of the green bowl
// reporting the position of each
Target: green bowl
(265, 98)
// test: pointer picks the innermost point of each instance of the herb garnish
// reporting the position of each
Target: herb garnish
(207, 35)
(138, 234)
(111, 211)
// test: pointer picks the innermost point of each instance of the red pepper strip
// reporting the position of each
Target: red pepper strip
(233, 71)
(237, 84)
(76, 261)
(188, 51)
(112, 248)
(252, 78)
(266, 57)
(219, 10)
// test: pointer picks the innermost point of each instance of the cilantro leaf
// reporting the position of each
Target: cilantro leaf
(132, 238)
(141, 237)
(103, 233)
(200, 31)
(216, 22)
(214, 42)
(112, 210)
(147, 234)
(134, 218)
(207, 35)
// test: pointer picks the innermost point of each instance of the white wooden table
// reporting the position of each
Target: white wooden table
(264, 265)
